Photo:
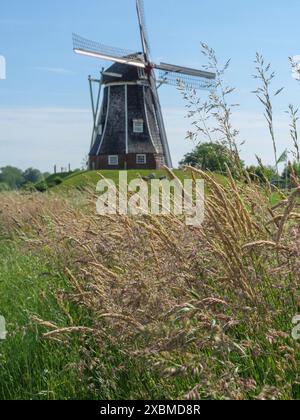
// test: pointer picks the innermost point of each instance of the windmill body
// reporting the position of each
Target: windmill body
(127, 134)
(128, 129)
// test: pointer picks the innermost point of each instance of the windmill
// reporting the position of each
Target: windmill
(128, 129)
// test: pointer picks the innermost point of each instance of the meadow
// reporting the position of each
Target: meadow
(146, 307)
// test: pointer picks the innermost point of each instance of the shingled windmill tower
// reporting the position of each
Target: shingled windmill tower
(129, 130)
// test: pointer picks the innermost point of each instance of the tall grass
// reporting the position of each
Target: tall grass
(173, 311)
(212, 118)
(294, 118)
(265, 76)
(32, 368)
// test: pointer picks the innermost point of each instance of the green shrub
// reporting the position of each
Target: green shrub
(41, 186)
(4, 187)
(54, 181)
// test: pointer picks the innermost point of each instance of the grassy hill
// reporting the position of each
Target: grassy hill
(84, 179)
(81, 180)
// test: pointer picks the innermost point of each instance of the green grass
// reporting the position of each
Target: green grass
(90, 178)
(32, 368)
(37, 369)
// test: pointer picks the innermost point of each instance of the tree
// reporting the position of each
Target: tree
(291, 168)
(32, 175)
(11, 176)
(262, 173)
(210, 156)
(4, 187)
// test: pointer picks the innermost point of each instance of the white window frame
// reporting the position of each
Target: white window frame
(113, 160)
(141, 159)
(138, 126)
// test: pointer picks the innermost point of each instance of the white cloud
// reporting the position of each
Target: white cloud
(44, 137)
(56, 70)
(177, 126)
(253, 130)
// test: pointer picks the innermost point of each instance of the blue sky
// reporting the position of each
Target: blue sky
(45, 113)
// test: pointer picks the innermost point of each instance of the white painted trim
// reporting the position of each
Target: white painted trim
(138, 126)
(121, 84)
(96, 134)
(113, 164)
(147, 120)
(126, 119)
(144, 155)
(100, 115)
(111, 74)
(142, 75)
(106, 119)
(155, 118)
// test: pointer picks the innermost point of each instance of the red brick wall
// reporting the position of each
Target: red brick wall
(125, 162)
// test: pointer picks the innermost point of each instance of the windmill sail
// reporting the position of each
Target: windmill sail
(94, 49)
(185, 71)
(143, 29)
(153, 84)
(189, 82)
(160, 121)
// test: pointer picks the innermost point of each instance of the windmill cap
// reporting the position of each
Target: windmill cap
(122, 73)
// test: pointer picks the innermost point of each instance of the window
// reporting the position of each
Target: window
(100, 130)
(141, 159)
(141, 73)
(138, 126)
(113, 160)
